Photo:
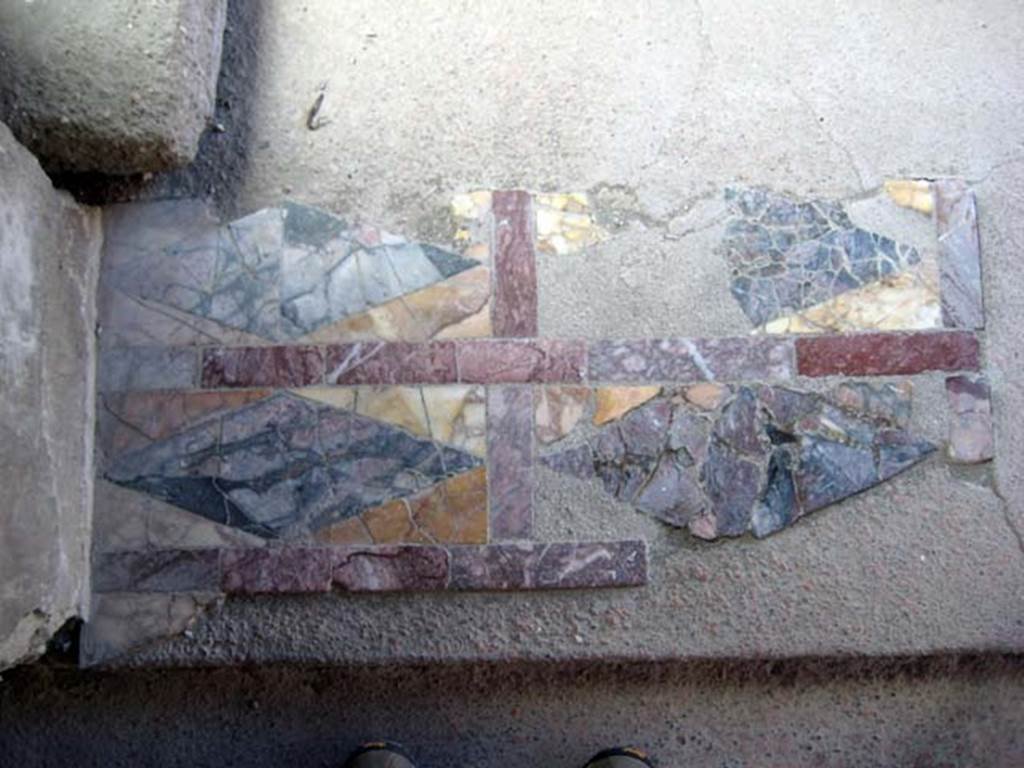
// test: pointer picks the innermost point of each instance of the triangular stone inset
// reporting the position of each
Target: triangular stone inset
(284, 272)
(767, 457)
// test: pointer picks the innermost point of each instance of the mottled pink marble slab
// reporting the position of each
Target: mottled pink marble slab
(677, 359)
(390, 569)
(391, 363)
(887, 354)
(515, 267)
(510, 458)
(496, 361)
(296, 366)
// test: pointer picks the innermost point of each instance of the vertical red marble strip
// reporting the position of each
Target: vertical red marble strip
(510, 462)
(514, 310)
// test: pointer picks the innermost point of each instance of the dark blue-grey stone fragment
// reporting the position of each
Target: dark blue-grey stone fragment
(777, 506)
(305, 225)
(448, 263)
(788, 255)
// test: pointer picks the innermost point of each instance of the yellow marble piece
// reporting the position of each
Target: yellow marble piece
(453, 414)
(558, 410)
(614, 402)
(564, 223)
(419, 316)
(903, 302)
(706, 395)
(471, 211)
(915, 194)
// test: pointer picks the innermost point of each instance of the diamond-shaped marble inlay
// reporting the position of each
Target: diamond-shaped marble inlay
(757, 463)
(286, 466)
(284, 272)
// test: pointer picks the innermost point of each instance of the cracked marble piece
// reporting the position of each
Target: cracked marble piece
(262, 367)
(956, 219)
(392, 363)
(521, 361)
(456, 308)
(565, 223)
(970, 428)
(515, 266)
(285, 466)
(451, 512)
(122, 369)
(280, 570)
(179, 570)
(613, 402)
(390, 569)
(677, 359)
(282, 272)
(121, 622)
(766, 457)
(887, 354)
(557, 410)
(902, 302)
(454, 414)
(788, 255)
(536, 565)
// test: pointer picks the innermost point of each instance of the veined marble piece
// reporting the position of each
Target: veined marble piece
(285, 466)
(613, 402)
(515, 266)
(767, 456)
(788, 255)
(557, 410)
(454, 308)
(281, 273)
(452, 512)
(956, 218)
(565, 223)
(970, 429)
(390, 569)
(906, 301)
(453, 414)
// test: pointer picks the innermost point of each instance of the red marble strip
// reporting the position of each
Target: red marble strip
(296, 366)
(276, 570)
(746, 358)
(494, 361)
(510, 459)
(390, 569)
(883, 354)
(538, 565)
(515, 266)
(391, 363)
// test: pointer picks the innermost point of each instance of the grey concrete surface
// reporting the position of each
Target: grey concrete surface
(939, 714)
(116, 86)
(49, 260)
(653, 108)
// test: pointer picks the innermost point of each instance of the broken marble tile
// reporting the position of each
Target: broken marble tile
(129, 420)
(888, 403)
(499, 361)
(510, 458)
(906, 301)
(916, 194)
(390, 569)
(455, 308)
(764, 458)
(565, 223)
(887, 354)
(262, 367)
(515, 268)
(531, 565)
(788, 255)
(557, 410)
(391, 363)
(120, 622)
(970, 428)
(282, 272)
(613, 402)
(452, 512)
(285, 466)
(125, 369)
(276, 570)
(169, 570)
(956, 218)
(677, 359)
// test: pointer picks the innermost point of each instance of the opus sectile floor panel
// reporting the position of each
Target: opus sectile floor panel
(292, 403)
